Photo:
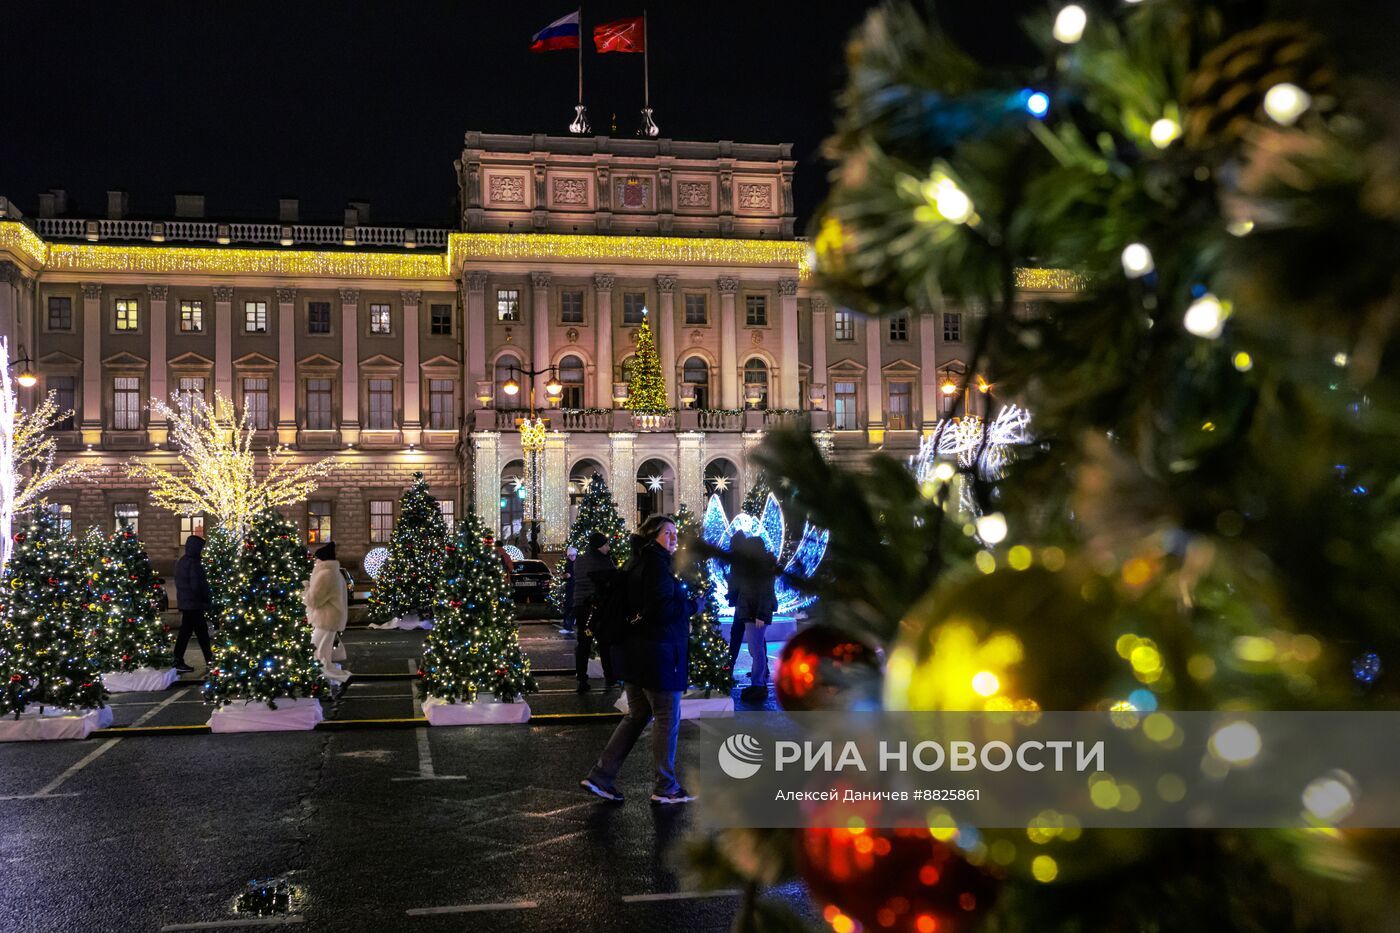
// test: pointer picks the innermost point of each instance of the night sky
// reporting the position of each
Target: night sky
(332, 101)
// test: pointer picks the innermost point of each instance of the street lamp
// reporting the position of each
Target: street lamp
(26, 376)
(532, 439)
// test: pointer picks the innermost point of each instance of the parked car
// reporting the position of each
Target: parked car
(531, 581)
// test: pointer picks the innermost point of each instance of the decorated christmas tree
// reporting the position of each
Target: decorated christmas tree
(407, 585)
(646, 385)
(44, 660)
(597, 511)
(263, 650)
(474, 645)
(709, 652)
(123, 607)
(757, 496)
(1206, 216)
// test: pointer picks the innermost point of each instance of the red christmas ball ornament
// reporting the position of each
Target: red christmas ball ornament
(106, 597)
(53, 581)
(456, 604)
(15, 678)
(248, 545)
(19, 537)
(902, 880)
(821, 668)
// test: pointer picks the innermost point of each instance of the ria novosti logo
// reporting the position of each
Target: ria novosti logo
(740, 756)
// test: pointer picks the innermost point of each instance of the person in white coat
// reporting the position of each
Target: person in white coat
(327, 609)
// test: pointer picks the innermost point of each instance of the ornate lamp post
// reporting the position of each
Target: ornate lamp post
(532, 440)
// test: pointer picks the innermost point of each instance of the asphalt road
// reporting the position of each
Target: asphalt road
(352, 829)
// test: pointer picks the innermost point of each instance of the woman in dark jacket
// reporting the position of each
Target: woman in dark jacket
(656, 666)
(192, 592)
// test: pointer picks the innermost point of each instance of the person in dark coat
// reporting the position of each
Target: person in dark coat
(570, 620)
(754, 575)
(732, 577)
(655, 667)
(593, 571)
(192, 593)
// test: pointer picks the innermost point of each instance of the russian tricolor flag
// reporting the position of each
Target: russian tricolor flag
(563, 33)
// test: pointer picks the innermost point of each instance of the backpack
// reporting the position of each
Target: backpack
(613, 610)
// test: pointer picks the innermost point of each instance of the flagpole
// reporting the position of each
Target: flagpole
(580, 124)
(648, 127)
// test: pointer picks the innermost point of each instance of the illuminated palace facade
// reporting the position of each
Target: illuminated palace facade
(391, 347)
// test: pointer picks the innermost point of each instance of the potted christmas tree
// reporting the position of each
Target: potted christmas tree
(405, 590)
(130, 645)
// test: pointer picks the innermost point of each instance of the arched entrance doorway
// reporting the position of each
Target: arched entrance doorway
(579, 477)
(511, 527)
(656, 488)
(722, 479)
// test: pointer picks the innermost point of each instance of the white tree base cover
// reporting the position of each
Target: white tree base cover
(697, 706)
(406, 624)
(440, 712)
(140, 680)
(299, 715)
(54, 724)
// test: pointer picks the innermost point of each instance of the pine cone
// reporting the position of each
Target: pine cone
(1226, 93)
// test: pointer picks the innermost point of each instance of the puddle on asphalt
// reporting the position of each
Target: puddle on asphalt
(268, 898)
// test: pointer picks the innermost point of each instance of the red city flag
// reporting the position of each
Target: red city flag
(621, 35)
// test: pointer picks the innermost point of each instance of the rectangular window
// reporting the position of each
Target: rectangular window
(318, 522)
(191, 317)
(899, 328)
(899, 409)
(952, 327)
(318, 317)
(634, 307)
(255, 402)
(255, 317)
(190, 525)
(696, 311)
(381, 519)
(192, 386)
(379, 320)
(756, 310)
(128, 513)
(128, 314)
(846, 407)
(318, 405)
(442, 404)
(440, 320)
(126, 403)
(448, 508)
(60, 314)
(507, 304)
(844, 324)
(571, 307)
(65, 396)
(63, 515)
(381, 405)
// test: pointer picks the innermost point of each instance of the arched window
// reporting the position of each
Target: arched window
(504, 367)
(756, 383)
(696, 372)
(571, 376)
(624, 368)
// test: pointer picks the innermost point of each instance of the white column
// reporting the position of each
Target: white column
(412, 372)
(474, 337)
(874, 378)
(603, 362)
(554, 491)
(787, 357)
(728, 345)
(11, 282)
(486, 472)
(539, 327)
(623, 476)
(92, 363)
(349, 365)
(286, 366)
(929, 403)
(690, 483)
(157, 334)
(666, 334)
(819, 334)
(223, 340)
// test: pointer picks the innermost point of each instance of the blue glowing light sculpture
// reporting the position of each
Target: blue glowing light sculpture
(769, 527)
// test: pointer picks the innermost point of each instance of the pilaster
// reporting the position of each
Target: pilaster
(787, 358)
(92, 363)
(666, 334)
(554, 508)
(223, 340)
(350, 365)
(623, 475)
(539, 320)
(819, 338)
(690, 481)
(286, 366)
(728, 344)
(474, 336)
(486, 476)
(602, 304)
(412, 372)
(156, 333)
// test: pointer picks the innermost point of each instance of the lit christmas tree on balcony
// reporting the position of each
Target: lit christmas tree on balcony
(646, 386)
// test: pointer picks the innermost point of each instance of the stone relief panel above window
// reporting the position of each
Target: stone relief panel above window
(569, 191)
(693, 194)
(508, 189)
(755, 196)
